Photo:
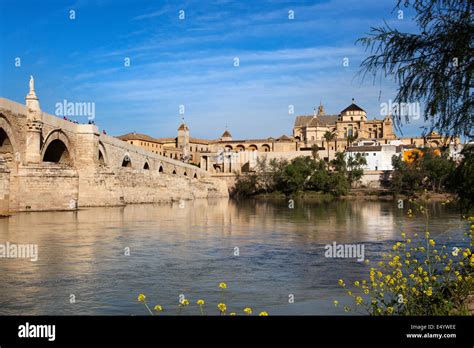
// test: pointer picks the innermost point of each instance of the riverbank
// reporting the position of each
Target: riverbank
(359, 194)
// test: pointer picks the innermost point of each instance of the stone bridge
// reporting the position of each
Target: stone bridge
(51, 163)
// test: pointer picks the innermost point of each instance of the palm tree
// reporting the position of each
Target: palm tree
(329, 136)
(351, 138)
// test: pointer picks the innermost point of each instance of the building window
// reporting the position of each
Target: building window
(350, 131)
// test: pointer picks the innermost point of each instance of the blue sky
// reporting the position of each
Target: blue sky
(190, 61)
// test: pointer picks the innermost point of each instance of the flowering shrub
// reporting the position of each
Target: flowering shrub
(184, 302)
(417, 277)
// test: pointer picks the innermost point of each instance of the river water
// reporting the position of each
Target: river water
(97, 260)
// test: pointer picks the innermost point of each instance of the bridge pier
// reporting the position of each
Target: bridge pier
(33, 142)
(34, 126)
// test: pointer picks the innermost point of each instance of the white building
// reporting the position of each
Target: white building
(378, 156)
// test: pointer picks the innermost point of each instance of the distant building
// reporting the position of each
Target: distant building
(351, 131)
(350, 122)
(378, 156)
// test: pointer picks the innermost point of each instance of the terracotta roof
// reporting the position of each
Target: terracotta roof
(312, 121)
(284, 138)
(183, 127)
(226, 134)
(352, 107)
(138, 136)
(200, 141)
(364, 148)
(246, 141)
(166, 140)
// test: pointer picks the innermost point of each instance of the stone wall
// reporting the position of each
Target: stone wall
(128, 186)
(4, 188)
(45, 186)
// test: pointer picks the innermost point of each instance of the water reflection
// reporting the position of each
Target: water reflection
(176, 249)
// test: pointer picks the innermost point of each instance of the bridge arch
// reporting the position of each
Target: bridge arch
(266, 148)
(126, 161)
(56, 148)
(253, 147)
(8, 143)
(102, 155)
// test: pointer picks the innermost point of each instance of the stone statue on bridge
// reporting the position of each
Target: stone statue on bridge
(32, 103)
(32, 85)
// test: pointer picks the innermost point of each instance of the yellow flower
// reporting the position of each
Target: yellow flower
(429, 291)
(222, 307)
(200, 302)
(358, 300)
(223, 285)
(356, 283)
(141, 298)
(336, 302)
(158, 308)
(263, 314)
(341, 282)
(389, 310)
(232, 313)
(432, 242)
(184, 302)
(366, 291)
(248, 310)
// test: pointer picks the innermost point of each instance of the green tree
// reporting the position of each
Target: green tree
(354, 167)
(350, 139)
(314, 151)
(297, 174)
(245, 185)
(438, 169)
(433, 66)
(463, 179)
(406, 177)
(320, 178)
(329, 136)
